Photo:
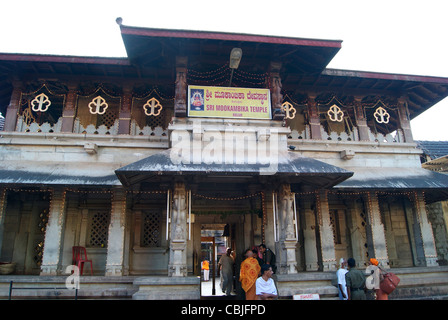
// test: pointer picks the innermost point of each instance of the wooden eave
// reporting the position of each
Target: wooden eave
(152, 54)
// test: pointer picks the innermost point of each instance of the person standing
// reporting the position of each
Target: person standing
(265, 288)
(226, 264)
(249, 271)
(268, 256)
(377, 277)
(355, 281)
(340, 275)
(205, 266)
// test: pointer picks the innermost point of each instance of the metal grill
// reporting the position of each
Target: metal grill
(151, 229)
(99, 228)
(108, 118)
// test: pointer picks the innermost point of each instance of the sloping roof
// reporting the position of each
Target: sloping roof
(152, 53)
(151, 46)
(292, 167)
(398, 179)
(433, 149)
(50, 173)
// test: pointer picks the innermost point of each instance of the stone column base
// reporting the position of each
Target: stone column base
(291, 261)
(112, 270)
(49, 270)
(178, 266)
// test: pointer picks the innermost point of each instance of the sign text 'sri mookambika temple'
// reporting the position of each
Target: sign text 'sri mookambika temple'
(199, 141)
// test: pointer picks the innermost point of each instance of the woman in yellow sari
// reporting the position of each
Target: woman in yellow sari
(249, 272)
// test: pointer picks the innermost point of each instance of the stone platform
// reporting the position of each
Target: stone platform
(416, 283)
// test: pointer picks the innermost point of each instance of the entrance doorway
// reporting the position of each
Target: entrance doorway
(231, 221)
(215, 239)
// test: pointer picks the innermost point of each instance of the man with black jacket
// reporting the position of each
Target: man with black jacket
(268, 256)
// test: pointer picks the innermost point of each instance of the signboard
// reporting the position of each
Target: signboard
(222, 102)
(309, 296)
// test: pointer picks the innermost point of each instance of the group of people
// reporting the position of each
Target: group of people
(225, 266)
(354, 284)
(256, 273)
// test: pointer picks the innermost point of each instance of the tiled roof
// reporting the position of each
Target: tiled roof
(434, 149)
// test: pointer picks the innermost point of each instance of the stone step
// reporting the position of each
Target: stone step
(418, 282)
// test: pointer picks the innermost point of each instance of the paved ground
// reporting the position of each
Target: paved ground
(206, 287)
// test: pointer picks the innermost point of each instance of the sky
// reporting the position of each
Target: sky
(393, 36)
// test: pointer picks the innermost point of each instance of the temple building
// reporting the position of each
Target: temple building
(135, 158)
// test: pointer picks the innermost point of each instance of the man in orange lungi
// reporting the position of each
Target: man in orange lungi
(206, 268)
(249, 272)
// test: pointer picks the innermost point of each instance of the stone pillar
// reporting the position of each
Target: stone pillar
(276, 91)
(84, 226)
(69, 112)
(13, 107)
(286, 246)
(124, 122)
(53, 245)
(180, 93)
(357, 231)
(405, 123)
(314, 118)
(361, 121)
(178, 241)
(424, 230)
(115, 245)
(309, 236)
(3, 203)
(326, 232)
(376, 238)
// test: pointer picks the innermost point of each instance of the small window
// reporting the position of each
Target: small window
(151, 229)
(99, 229)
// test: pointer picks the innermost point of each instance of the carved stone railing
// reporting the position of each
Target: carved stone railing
(343, 136)
(348, 137)
(146, 130)
(305, 134)
(35, 127)
(388, 138)
(92, 129)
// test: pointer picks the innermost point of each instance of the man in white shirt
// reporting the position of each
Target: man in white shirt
(265, 286)
(340, 274)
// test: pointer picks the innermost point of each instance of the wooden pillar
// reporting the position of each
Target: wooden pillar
(53, 245)
(405, 123)
(326, 232)
(69, 112)
(361, 121)
(276, 91)
(115, 246)
(13, 107)
(180, 94)
(376, 237)
(124, 122)
(314, 118)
